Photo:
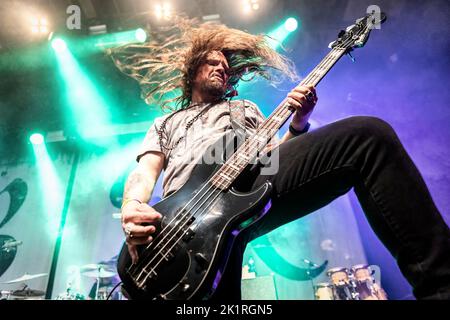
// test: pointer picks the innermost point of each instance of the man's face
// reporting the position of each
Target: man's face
(212, 75)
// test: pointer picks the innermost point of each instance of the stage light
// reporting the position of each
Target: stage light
(247, 8)
(112, 40)
(250, 5)
(87, 108)
(100, 40)
(37, 138)
(275, 39)
(282, 32)
(255, 4)
(59, 45)
(158, 11)
(167, 10)
(39, 25)
(140, 35)
(213, 18)
(291, 24)
(98, 29)
(163, 11)
(52, 193)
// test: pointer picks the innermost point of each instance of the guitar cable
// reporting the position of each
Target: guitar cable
(114, 289)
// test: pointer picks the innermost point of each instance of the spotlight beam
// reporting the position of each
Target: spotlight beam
(90, 111)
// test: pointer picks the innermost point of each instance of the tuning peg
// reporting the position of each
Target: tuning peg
(350, 28)
(351, 56)
(361, 42)
(341, 34)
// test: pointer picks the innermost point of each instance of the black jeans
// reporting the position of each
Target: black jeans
(363, 153)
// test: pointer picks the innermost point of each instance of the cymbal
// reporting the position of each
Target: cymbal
(93, 267)
(101, 273)
(28, 293)
(27, 277)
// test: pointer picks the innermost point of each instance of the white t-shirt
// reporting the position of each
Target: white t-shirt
(206, 130)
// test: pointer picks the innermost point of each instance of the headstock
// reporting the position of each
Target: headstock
(356, 36)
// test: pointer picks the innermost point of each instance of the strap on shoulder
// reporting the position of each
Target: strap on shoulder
(237, 112)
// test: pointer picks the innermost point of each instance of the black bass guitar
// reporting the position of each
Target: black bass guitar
(202, 219)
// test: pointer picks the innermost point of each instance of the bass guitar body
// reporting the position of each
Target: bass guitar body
(190, 252)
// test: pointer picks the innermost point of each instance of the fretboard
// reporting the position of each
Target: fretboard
(250, 149)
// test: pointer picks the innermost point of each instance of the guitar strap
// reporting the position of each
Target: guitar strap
(237, 115)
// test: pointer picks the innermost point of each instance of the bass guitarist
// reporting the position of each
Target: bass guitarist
(205, 63)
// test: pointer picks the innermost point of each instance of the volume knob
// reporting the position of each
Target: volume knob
(201, 260)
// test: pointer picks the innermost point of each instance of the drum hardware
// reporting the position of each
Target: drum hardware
(324, 291)
(4, 294)
(27, 277)
(365, 283)
(101, 273)
(26, 294)
(9, 245)
(70, 295)
(98, 271)
(72, 285)
(344, 288)
(95, 267)
(356, 283)
(312, 266)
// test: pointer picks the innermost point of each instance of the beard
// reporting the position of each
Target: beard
(213, 88)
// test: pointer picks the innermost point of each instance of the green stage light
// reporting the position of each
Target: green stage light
(37, 138)
(282, 32)
(50, 186)
(101, 42)
(118, 39)
(275, 39)
(88, 106)
(140, 35)
(59, 45)
(291, 24)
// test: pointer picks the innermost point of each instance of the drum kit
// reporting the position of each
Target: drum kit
(356, 283)
(101, 273)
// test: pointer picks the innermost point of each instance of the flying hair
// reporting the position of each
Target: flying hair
(166, 65)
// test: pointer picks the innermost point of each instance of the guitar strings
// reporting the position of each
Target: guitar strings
(328, 61)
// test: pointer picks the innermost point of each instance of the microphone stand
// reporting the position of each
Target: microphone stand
(311, 265)
(98, 283)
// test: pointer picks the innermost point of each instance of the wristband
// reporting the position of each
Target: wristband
(296, 132)
(127, 201)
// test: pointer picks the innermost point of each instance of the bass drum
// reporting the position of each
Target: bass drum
(366, 285)
(342, 285)
(324, 291)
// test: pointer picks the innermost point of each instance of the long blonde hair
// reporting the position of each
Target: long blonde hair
(167, 64)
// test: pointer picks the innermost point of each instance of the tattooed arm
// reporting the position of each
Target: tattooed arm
(135, 210)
